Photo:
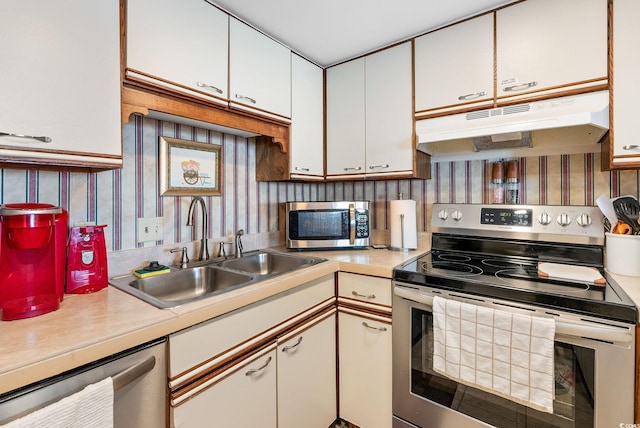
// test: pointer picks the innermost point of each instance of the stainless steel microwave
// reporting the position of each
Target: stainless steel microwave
(327, 225)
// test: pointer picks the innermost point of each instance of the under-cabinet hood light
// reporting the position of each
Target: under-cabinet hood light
(511, 126)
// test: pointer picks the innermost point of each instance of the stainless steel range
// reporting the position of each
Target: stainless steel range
(543, 261)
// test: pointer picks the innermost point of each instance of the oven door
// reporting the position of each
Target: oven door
(594, 379)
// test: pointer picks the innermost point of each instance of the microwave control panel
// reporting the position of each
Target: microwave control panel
(362, 223)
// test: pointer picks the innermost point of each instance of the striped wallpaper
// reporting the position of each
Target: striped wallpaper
(117, 198)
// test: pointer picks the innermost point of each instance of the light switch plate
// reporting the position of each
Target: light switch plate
(150, 229)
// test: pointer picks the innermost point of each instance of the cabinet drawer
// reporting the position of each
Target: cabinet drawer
(368, 289)
(201, 344)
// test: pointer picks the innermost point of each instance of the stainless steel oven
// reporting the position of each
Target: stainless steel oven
(495, 264)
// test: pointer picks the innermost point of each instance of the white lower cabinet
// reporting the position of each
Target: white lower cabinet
(307, 375)
(268, 364)
(242, 396)
(364, 361)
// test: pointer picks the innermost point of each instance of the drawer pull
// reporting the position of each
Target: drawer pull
(301, 168)
(206, 86)
(631, 147)
(353, 168)
(290, 347)
(379, 166)
(242, 97)
(472, 96)
(259, 369)
(364, 323)
(522, 87)
(363, 296)
(30, 137)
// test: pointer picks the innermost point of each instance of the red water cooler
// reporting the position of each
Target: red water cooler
(33, 244)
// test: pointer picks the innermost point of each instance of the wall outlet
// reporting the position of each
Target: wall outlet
(150, 229)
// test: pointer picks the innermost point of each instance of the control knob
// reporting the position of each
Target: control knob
(442, 215)
(564, 220)
(456, 215)
(544, 218)
(584, 220)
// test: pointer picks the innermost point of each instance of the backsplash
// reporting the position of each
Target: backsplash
(118, 198)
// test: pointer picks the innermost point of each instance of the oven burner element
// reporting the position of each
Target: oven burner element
(453, 268)
(454, 257)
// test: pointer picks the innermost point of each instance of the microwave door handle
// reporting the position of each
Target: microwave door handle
(352, 224)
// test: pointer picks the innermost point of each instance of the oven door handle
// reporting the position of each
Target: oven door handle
(604, 333)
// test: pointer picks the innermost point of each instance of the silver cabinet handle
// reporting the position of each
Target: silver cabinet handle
(379, 166)
(290, 347)
(253, 371)
(472, 96)
(522, 87)
(353, 168)
(364, 323)
(630, 147)
(242, 97)
(206, 86)
(364, 296)
(44, 139)
(300, 168)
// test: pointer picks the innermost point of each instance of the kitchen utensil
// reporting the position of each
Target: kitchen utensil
(622, 228)
(606, 206)
(627, 210)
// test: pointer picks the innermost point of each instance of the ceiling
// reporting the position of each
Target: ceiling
(331, 31)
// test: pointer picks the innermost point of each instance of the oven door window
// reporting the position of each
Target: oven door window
(574, 377)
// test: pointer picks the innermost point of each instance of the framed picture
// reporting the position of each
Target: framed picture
(188, 168)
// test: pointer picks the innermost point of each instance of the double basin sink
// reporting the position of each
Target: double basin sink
(206, 279)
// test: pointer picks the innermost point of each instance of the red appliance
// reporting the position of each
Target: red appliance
(33, 244)
(87, 260)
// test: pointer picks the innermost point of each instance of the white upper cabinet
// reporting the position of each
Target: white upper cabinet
(60, 83)
(625, 149)
(389, 111)
(454, 66)
(307, 119)
(346, 118)
(259, 72)
(550, 44)
(181, 45)
(370, 115)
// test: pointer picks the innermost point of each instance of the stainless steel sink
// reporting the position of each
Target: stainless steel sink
(210, 278)
(183, 286)
(269, 264)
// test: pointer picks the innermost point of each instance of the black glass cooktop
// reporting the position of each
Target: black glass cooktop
(497, 272)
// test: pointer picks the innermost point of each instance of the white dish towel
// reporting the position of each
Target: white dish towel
(510, 355)
(90, 408)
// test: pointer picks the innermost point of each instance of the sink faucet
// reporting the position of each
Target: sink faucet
(204, 249)
(239, 243)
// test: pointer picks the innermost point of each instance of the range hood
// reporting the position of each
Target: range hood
(573, 124)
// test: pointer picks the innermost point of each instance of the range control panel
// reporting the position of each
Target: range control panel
(578, 224)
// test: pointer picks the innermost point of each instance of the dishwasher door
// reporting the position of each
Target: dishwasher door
(139, 379)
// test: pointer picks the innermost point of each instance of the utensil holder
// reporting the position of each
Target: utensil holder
(622, 253)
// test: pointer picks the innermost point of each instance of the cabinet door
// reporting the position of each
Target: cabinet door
(307, 375)
(626, 91)
(183, 45)
(364, 346)
(307, 115)
(550, 44)
(346, 119)
(259, 71)
(389, 111)
(454, 66)
(60, 80)
(242, 396)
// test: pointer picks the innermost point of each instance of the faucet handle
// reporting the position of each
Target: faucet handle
(221, 250)
(184, 258)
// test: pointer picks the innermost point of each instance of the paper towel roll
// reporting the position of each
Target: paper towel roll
(404, 234)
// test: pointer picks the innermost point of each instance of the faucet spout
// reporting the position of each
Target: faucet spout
(239, 243)
(203, 253)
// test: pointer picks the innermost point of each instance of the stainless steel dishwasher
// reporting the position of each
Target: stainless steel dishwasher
(139, 382)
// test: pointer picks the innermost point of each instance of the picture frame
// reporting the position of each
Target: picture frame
(189, 168)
